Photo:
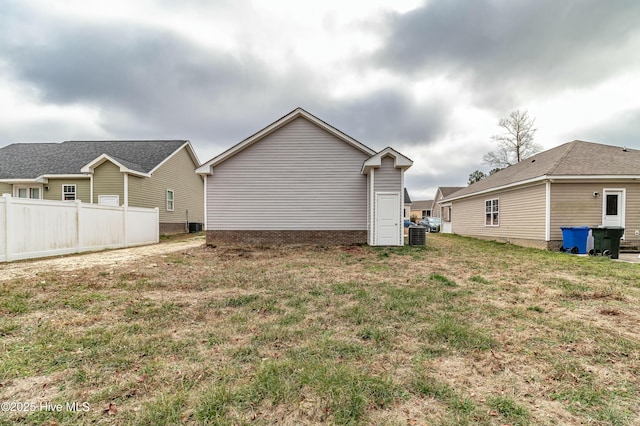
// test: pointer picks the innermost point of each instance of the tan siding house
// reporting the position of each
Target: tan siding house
(108, 181)
(575, 184)
(421, 209)
(55, 189)
(298, 180)
(188, 205)
(124, 173)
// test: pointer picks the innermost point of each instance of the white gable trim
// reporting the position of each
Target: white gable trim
(298, 112)
(104, 157)
(375, 161)
(190, 151)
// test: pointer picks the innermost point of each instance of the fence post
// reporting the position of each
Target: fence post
(157, 224)
(7, 201)
(124, 222)
(79, 226)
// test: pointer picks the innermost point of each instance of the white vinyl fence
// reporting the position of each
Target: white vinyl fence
(37, 228)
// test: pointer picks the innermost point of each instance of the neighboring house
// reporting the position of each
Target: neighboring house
(406, 211)
(421, 208)
(300, 180)
(120, 173)
(443, 211)
(575, 184)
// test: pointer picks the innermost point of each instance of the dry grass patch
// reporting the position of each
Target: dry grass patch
(459, 332)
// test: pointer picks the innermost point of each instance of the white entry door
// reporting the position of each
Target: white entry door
(388, 219)
(613, 207)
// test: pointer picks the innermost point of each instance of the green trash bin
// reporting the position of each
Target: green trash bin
(606, 240)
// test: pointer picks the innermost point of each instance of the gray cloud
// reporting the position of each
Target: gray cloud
(620, 130)
(507, 49)
(151, 83)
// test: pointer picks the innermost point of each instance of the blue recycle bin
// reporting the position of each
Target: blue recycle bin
(574, 239)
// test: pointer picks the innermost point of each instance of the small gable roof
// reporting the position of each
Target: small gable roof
(375, 161)
(296, 113)
(577, 159)
(33, 160)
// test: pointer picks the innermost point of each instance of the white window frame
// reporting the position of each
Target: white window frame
(171, 200)
(492, 214)
(108, 200)
(65, 192)
(28, 189)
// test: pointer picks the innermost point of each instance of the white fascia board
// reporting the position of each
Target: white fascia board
(104, 157)
(375, 161)
(39, 179)
(69, 176)
(299, 112)
(497, 188)
(190, 151)
(594, 177)
(550, 179)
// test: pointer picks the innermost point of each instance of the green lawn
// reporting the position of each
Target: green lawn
(459, 332)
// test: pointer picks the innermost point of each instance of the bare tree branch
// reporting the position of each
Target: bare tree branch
(516, 142)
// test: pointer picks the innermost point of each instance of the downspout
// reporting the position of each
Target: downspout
(401, 227)
(547, 213)
(91, 187)
(126, 190)
(372, 212)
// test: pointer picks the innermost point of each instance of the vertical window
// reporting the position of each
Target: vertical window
(34, 193)
(611, 207)
(492, 212)
(170, 204)
(68, 192)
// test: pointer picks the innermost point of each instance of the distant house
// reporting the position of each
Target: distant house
(300, 180)
(575, 184)
(421, 209)
(443, 211)
(158, 173)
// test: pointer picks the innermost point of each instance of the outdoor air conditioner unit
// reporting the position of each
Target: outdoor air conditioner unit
(417, 236)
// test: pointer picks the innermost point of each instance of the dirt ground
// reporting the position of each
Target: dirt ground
(31, 267)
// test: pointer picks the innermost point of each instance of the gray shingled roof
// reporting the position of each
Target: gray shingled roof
(448, 190)
(30, 160)
(576, 158)
(407, 199)
(422, 205)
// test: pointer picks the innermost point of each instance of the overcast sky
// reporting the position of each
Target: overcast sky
(430, 78)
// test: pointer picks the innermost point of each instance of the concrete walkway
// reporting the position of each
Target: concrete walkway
(629, 257)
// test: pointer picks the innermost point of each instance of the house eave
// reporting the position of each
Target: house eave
(549, 178)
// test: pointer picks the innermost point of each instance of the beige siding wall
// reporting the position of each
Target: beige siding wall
(522, 215)
(6, 188)
(573, 204)
(177, 174)
(387, 177)
(298, 178)
(108, 180)
(83, 189)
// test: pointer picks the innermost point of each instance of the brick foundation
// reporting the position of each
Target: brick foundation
(173, 228)
(249, 237)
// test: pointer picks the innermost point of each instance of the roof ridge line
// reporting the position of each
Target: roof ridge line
(555, 164)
